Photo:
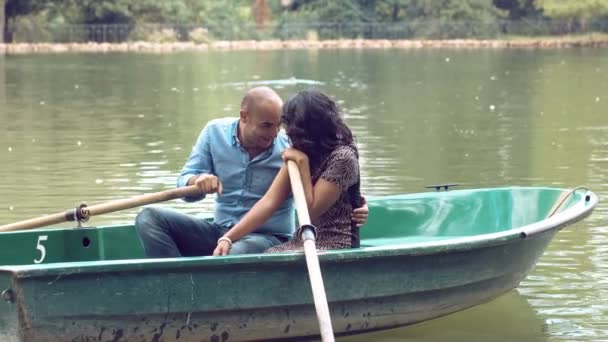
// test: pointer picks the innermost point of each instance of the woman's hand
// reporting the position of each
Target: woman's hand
(223, 247)
(296, 155)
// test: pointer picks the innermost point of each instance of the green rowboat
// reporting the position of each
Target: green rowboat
(422, 256)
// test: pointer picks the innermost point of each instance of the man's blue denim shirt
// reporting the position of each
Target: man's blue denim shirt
(244, 181)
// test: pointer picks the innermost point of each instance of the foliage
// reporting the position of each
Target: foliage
(264, 19)
(200, 35)
(423, 18)
(126, 11)
(578, 16)
(575, 9)
(165, 35)
(30, 29)
(15, 8)
(224, 20)
(453, 18)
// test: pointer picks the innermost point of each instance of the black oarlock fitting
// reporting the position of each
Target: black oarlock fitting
(307, 232)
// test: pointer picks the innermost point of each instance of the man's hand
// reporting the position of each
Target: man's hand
(223, 248)
(360, 214)
(208, 183)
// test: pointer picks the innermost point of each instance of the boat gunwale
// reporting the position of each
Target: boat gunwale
(574, 213)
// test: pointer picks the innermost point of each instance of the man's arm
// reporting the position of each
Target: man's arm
(360, 214)
(198, 163)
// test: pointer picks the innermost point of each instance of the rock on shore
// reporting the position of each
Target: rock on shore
(545, 42)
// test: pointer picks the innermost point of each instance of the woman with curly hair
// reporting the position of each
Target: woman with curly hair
(324, 149)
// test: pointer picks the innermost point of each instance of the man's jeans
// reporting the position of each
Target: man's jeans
(166, 233)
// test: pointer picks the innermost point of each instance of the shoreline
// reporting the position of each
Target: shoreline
(592, 40)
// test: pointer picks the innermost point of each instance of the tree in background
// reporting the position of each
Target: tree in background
(129, 11)
(518, 9)
(579, 15)
(337, 11)
(451, 10)
(453, 18)
(14, 8)
(391, 10)
(407, 18)
(158, 20)
(226, 19)
(338, 18)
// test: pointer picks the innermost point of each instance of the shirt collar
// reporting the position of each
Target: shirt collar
(234, 130)
(235, 137)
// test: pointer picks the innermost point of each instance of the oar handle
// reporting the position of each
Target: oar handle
(103, 208)
(137, 201)
(298, 193)
(310, 252)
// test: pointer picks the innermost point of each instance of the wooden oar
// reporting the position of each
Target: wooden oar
(82, 213)
(310, 251)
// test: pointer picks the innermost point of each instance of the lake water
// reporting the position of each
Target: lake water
(95, 127)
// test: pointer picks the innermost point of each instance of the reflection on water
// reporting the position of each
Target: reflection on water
(99, 127)
(292, 81)
(514, 320)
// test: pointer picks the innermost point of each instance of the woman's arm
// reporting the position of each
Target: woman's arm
(263, 209)
(323, 194)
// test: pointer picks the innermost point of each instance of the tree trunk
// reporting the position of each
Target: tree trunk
(3, 117)
(395, 13)
(261, 13)
(2, 22)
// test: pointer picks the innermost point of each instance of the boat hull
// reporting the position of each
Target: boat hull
(185, 304)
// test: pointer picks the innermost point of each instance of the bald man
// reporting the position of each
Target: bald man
(238, 159)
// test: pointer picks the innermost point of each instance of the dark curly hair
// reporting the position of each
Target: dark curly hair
(313, 122)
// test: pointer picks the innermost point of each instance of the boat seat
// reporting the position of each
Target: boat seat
(402, 240)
